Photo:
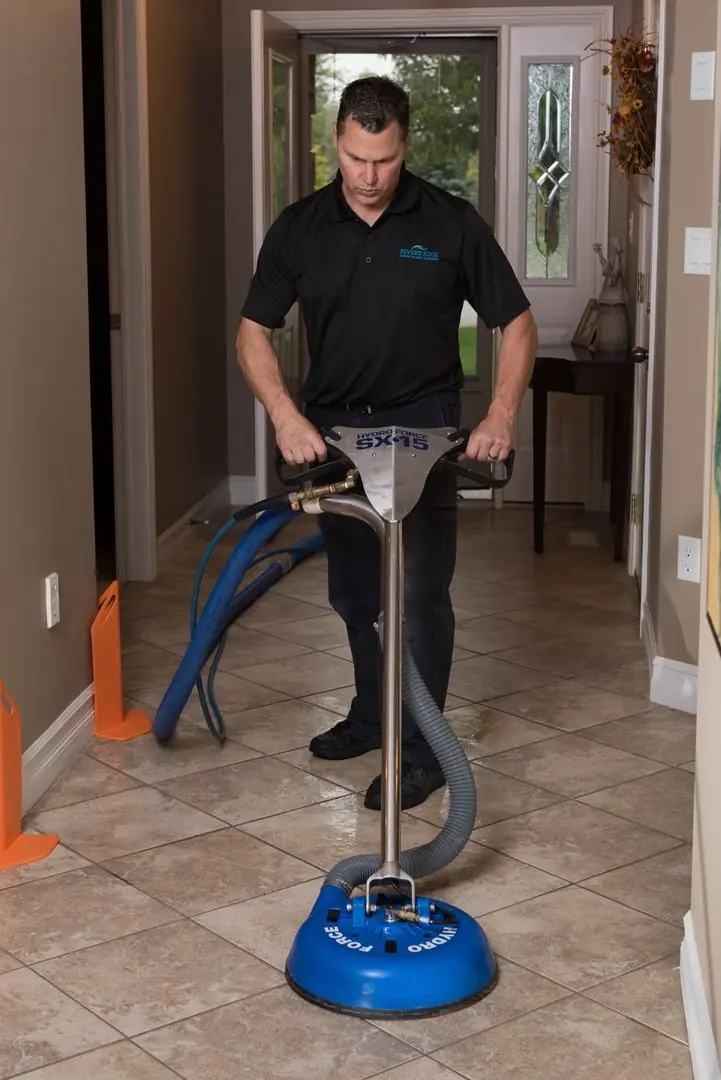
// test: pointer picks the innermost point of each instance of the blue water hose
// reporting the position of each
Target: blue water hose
(284, 559)
(213, 621)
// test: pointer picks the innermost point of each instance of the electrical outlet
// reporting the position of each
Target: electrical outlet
(52, 600)
(689, 558)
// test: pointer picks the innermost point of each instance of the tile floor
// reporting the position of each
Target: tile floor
(151, 944)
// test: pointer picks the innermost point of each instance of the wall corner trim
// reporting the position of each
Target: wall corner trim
(57, 748)
(673, 682)
(704, 1055)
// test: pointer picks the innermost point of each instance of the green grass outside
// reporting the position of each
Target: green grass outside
(467, 336)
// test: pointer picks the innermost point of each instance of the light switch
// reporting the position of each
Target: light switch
(697, 254)
(703, 65)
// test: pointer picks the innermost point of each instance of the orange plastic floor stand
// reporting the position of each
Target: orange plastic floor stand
(16, 847)
(112, 719)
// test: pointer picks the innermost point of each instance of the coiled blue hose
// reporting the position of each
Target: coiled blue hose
(208, 632)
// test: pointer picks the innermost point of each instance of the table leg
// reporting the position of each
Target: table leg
(540, 418)
(621, 469)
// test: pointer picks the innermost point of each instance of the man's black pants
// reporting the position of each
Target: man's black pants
(354, 583)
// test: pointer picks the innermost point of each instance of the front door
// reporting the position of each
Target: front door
(275, 56)
(556, 209)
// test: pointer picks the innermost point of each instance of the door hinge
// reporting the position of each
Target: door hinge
(635, 509)
(640, 287)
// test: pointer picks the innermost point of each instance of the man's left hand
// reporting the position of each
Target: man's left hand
(492, 439)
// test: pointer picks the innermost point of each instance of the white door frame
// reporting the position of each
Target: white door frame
(459, 21)
(126, 73)
(653, 295)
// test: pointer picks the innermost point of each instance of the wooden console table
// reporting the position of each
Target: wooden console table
(570, 369)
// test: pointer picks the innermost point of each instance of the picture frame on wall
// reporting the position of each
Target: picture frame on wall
(585, 332)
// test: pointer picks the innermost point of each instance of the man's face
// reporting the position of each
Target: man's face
(370, 164)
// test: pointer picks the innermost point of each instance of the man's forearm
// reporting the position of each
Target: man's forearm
(261, 370)
(516, 358)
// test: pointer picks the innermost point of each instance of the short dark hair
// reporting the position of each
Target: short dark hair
(374, 102)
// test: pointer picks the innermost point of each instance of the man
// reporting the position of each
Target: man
(382, 262)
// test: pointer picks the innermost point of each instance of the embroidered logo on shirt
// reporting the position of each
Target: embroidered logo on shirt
(419, 253)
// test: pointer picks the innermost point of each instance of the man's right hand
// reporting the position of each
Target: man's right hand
(299, 442)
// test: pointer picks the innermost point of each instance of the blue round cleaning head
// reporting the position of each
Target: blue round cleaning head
(392, 963)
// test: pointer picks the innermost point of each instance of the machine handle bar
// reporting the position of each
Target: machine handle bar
(339, 463)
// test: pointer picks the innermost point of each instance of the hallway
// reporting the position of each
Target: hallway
(184, 872)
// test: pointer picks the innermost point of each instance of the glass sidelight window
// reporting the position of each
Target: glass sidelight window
(549, 197)
(280, 141)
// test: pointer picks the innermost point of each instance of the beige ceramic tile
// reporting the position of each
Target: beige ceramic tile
(192, 750)
(148, 667)
(690, 766)
(59, 861)
(210, 871)
(632, 680)
(117, 1062)
(274, 609)
(484, 731)
(568, 1040)
(652, 996)
(517, 992)
(255, 789)
(163, 630)
(566, 658)
(661, 734)
(663, 801)
(238, 1041)
(421, 1069)
(266, 925)
(159, 977)
(8, 962)
(480, 881)
(578, 939)
(660, 886)
(570, 705)
(303, 675)
(72, 911)
(498, 797)
(484, 678)
(327, 832)
(490, 634)
(39, 1025)
(355, 774)
(573, 841)
(320, 632)
(571, 765)
(85, 779)
(272, 729)
(335, 701)
(117, 825)
(486, 597)
(251, 647)
(232, 693)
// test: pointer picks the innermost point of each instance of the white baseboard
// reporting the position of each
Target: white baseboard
(704, 1055)
(243, 490)
(673, 682)
(171, 542)
(55, 750)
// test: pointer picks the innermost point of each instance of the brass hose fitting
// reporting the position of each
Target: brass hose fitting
(306, 494)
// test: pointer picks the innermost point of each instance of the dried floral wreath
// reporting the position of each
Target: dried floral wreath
(633, 69)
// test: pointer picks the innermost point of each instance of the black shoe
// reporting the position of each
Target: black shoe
(417, 783)
(345, 739)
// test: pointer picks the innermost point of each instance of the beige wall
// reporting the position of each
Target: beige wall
(706, 887)
(239, 255)
(46, 513)
(676, 490)
(185, 106)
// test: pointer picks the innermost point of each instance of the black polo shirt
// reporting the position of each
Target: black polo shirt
(382, 303)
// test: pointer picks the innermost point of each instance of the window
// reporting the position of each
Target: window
(549, 172)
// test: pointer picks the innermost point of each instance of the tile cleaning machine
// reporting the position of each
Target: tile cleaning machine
(371, 946)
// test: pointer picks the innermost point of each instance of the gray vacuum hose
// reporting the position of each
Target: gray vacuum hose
(428, 859)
